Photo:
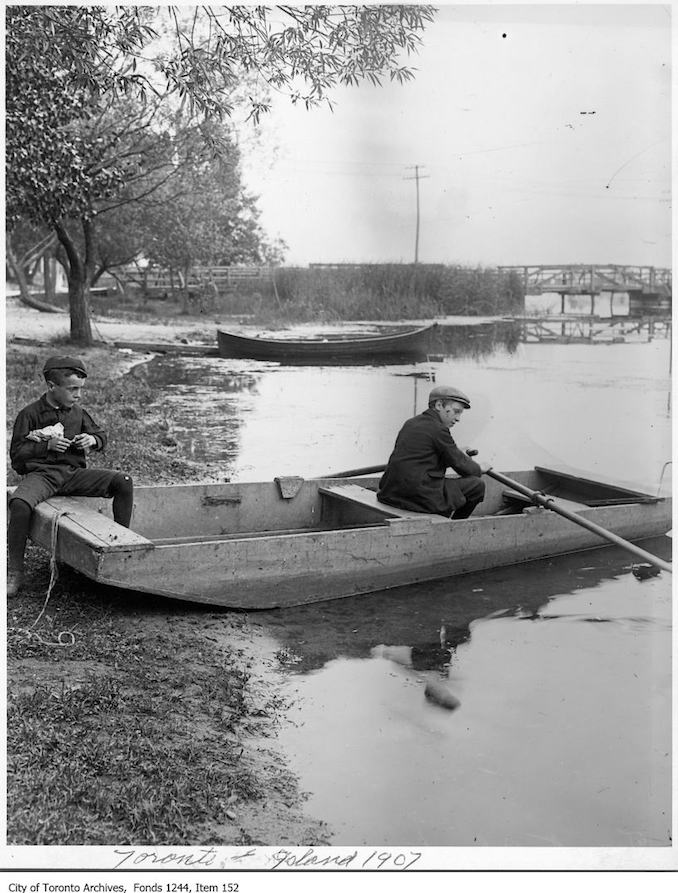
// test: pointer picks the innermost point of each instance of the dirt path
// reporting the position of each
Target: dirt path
(25, 322)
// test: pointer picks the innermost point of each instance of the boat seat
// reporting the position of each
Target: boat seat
(512, 497)
(357, 495)
(97, 530)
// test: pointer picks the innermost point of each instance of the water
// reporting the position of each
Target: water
(563, 736)
(562, 668)
(601, 408)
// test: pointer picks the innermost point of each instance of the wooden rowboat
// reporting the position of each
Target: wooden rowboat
(413, 342)
(293, 541)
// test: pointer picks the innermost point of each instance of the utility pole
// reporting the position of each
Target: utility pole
(417, 177)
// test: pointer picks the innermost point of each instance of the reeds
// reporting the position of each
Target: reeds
(379, 292)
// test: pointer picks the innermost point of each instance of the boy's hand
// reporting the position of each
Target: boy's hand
(84, 441)
(58, 444)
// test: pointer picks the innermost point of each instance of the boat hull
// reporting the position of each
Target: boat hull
(315, 548)
(413, 343)
(273, 573)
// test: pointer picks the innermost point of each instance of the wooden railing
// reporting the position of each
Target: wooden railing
(158, 279)
(591, 278)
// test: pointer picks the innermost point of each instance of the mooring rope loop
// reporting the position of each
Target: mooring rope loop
(66, 638)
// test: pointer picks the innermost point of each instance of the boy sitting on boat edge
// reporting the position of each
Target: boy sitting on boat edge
(50, 442)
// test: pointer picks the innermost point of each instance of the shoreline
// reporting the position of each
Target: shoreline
(116, 687)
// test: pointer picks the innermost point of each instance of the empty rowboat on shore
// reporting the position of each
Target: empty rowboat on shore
(293, 541)
(409, 343)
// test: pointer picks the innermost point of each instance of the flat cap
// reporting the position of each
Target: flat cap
(71, 364)
(448, 392)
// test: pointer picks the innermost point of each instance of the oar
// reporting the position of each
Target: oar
(356, 472)
(546, 502)
(373, 469)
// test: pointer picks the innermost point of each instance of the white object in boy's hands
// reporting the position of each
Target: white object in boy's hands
(47, 433)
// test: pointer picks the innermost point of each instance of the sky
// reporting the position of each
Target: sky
(542, 135)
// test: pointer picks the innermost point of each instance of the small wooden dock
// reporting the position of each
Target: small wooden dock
(174, 349)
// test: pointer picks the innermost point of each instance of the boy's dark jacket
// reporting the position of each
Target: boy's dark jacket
(415, 475)
(27, 455)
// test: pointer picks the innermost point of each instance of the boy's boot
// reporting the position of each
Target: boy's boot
(17, 534)
(15, 581)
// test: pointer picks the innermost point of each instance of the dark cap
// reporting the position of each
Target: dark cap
(68, 364)
(447, 392)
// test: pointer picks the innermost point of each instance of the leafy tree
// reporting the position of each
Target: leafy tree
(115, 152)
(119, 240)
(303, 51)
(70, 68)
(204, 217)
(184, 209)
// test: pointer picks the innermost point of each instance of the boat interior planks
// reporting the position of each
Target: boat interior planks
(261, 545)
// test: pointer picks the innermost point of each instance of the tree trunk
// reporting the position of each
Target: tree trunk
(24, 293)
(79, 279)
(78, 301)
(49, 275)
(185, 297)
(17, 272)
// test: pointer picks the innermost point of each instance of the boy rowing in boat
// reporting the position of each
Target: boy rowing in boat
(50, 443)
(414, 478)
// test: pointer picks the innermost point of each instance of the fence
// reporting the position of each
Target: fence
(157, 279)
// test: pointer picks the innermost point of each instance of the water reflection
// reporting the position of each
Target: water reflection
(206, 372)
(214, 406)
(562, 675)
(548, 405)
(445, 339)
(205, 404)
(542, 404)
(476, 341)
(423, 625)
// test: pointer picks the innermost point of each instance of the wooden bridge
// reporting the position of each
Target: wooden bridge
(591, 279)
(649, 288)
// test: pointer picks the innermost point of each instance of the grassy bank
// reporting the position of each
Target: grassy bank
(133, 720)
(125, 405)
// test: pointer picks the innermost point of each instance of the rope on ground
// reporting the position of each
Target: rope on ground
(53, 566)
(102, 338)
(64, 638)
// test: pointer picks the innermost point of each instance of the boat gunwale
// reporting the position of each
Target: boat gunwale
(395, 526)
(145, 541)
(367, 340)
(397, 346)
